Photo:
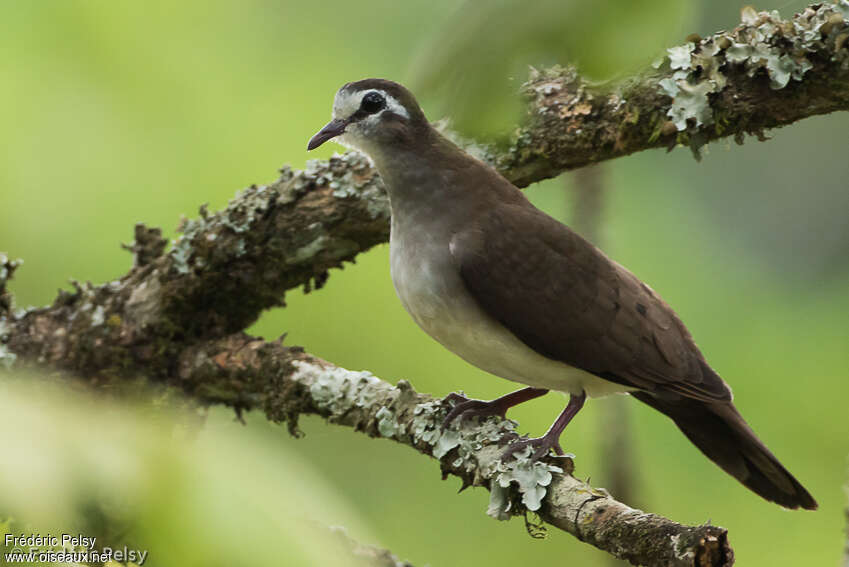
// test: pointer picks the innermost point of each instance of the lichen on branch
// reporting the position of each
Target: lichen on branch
(229, 266)
(766, 72)
(285, 382)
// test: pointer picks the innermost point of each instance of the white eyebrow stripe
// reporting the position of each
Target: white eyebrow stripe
(391, 104)
(348, 103)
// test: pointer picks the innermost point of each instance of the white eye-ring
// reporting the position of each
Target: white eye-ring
(347, 103)
(392, 105)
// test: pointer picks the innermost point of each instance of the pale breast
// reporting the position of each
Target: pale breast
(431, 290)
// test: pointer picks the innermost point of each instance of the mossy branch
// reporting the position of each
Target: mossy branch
(285, 382)
(229, 266)
(765, 73)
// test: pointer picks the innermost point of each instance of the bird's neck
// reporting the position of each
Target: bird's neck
(433, 181)
(409, 167)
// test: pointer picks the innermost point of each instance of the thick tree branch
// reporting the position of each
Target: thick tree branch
(87, 333)
(765, 73)
(224, 270)
(284, 382)
(247, 373)
(229, 266)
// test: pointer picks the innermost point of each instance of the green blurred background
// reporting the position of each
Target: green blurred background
(112, 113)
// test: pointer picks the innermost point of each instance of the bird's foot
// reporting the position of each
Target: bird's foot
(470, 408)
(539, 445)
(466, 408)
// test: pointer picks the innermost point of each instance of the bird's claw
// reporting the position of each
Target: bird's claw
(465, 408)
(455, 398)
(540, 445)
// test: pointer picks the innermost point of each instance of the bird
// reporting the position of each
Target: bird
(520, 295)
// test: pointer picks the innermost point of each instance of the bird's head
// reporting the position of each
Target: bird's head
(371, 114)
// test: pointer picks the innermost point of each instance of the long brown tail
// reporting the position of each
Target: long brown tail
(721, 433)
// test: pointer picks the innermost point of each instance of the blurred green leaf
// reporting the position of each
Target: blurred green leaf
(124, 474)
(475, 64)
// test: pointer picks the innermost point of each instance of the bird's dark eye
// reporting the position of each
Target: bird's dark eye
(372, 102)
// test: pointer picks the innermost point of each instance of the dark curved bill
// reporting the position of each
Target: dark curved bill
(333, 129)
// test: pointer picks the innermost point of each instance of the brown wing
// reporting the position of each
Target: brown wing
(565, 299)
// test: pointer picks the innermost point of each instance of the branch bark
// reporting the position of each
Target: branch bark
(229, 266)
(247, 373)
(175, 316)
(285, 382)
(765, 73)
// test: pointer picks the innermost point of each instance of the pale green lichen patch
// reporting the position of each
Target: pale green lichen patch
(348, 175)
(182, 250)
(7, 267)
(763, 44)
(425, 426)
(248, 205)
(531, 477)
(337, 390)
(449, 439)
(201, 235)
(679, 57)
(386, 425)
(7, 357)
(98, 316)
(472, 450)
(478, 450)
(143, 306)
(309, 250)
(499, 502)
(89, 305)
(683, 551)
(690, 102)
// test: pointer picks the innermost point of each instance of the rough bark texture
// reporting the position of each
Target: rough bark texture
(218, 277)
(176, 316)
(285, 382)
(765, 73)
(247, 373)
(229, 266)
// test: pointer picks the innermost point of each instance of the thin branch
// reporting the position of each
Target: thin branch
(370, 554)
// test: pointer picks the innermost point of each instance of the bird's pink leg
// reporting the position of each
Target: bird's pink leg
(551, 439)
(480, 408)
